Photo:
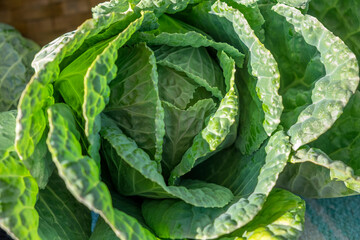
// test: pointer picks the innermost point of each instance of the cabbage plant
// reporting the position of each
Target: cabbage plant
(183, 119)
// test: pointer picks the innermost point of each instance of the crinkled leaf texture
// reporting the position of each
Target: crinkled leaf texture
(329, 166)
(17, 53)
(135, 101)
(96, 91)
(217, 97)
(332, 92)
(262, 108)
(133, 161)
(56, 214)
(262, 64)
(18, 189)
(38, 94)
(218, 128)
(81, 174)
(282, 217)
(177, 219)
(340, 17)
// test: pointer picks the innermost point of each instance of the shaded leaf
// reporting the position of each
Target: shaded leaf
(134, 173)
(134, 99)
(176, 219)
(221, 126)
(17, 53)
(61, 215)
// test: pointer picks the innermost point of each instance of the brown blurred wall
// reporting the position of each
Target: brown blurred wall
(44, 20)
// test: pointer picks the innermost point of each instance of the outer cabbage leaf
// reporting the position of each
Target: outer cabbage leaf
(176, 219)
(103, 231)
(129, 206)
(7, 134)
(313, 174)
(342, 140)
(332, 92)
(96, 89)
(295, 3)
(70, 83)
(81, 174)
(299, 70)
(340, 17)
(159, 7)
(164, 6)
(38, 93)
(17, 53)
(281, 217)
(40, 170)
(336, 156)
(18, 189)
(40, 164)
(263, 67)
(61, 215)
(251, 11)
(111, 6)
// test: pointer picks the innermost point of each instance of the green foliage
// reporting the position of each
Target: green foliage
(282, 217)
(330, 93)
(16, 54)
(176, 120)
(69, 219)
(18, 189)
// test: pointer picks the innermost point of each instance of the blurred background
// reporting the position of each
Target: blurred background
(44, 20)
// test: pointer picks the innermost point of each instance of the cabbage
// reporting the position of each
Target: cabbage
(183, 119)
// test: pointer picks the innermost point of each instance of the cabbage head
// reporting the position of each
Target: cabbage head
(183, 119)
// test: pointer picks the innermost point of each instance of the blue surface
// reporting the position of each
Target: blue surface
(94, 218)
(332, 219)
